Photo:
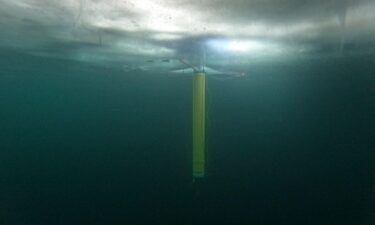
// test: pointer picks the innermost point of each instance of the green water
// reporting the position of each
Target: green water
(292, 143)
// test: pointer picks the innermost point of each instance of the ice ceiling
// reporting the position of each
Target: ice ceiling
(125, 31)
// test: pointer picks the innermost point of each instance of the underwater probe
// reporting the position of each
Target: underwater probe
(199, 118)
(198, 125)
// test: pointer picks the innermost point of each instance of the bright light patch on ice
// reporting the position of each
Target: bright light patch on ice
(245, 46)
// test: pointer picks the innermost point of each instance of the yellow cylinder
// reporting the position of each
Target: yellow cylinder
(199, 114)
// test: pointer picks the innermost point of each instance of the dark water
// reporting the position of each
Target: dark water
(291, 144)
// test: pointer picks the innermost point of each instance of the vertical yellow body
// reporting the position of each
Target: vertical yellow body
(199, 115)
